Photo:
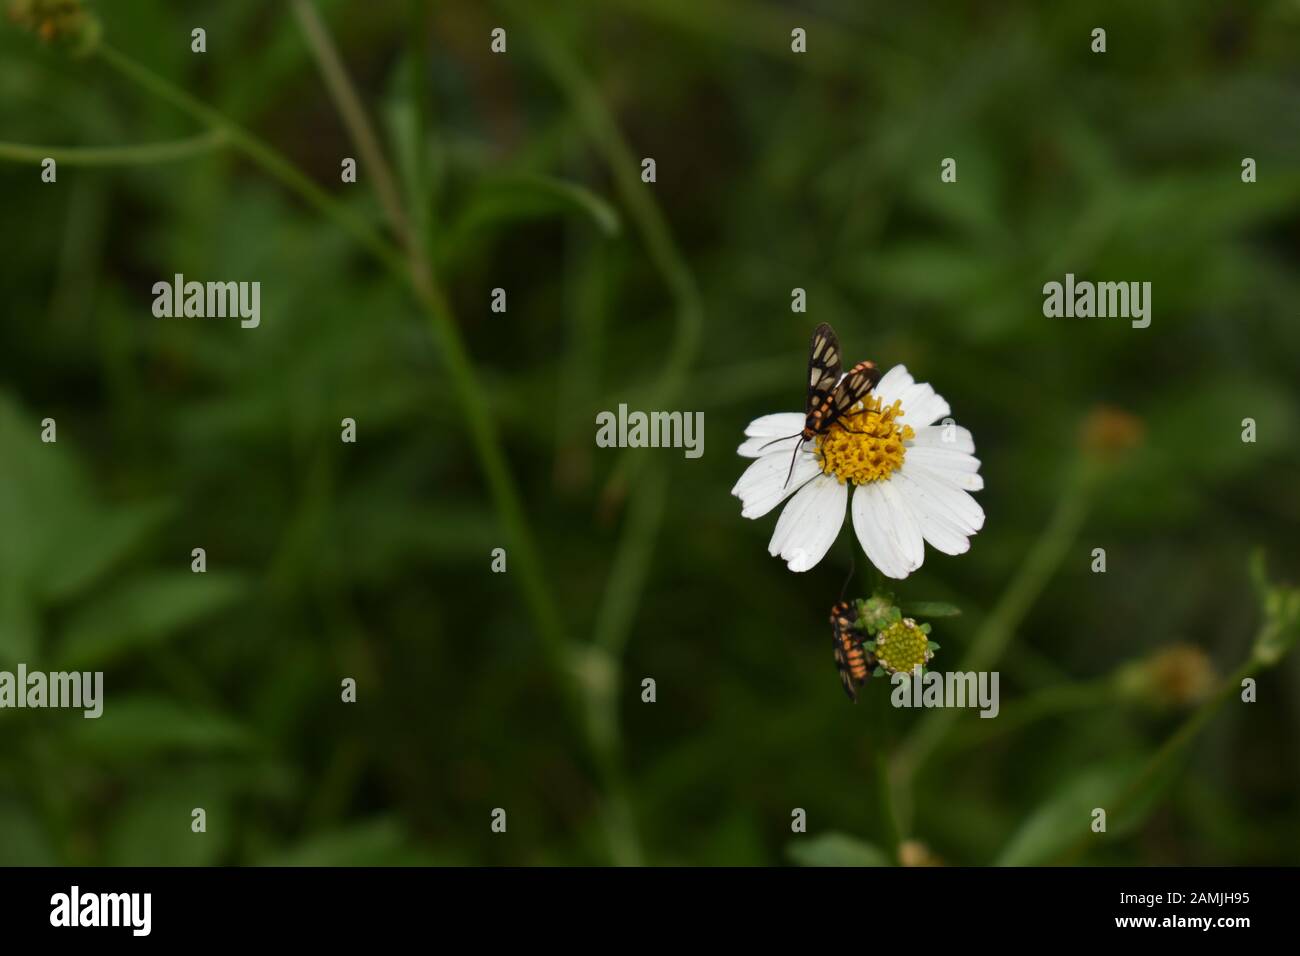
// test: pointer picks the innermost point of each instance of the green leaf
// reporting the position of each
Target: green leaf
(835, 849)
(19, 630)
(56, 539)
(930, 271)
(383, 536)
(381, 842)
(1064, 818)
(932, 609)
(94, 545)
(42, 494)
(23, 840)
(145, 613)
(154, 827)
(528, 196)
(143, 726)
(406, 133)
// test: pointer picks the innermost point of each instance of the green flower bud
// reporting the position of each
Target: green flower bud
(65, 23)
(1172, 677)
(876, 613)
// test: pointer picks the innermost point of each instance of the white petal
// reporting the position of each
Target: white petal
(939, 531)
(944, 499)
(963, 480)
(762, 445)
(906, 528)
(892, 385)
(774, 426)
(955, 438)
(810, 523)
(952, 467)
(943, 459)
(921, 406)
(887, 529)
(763, 486)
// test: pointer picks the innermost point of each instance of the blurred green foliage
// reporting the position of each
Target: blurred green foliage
(775, 170)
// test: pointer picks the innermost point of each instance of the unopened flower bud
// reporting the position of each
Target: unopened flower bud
(1172, 677)
(1108, 433)
(916, 853)
(66, 23)
(877, 613)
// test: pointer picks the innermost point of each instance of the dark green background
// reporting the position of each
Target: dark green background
(774, 171)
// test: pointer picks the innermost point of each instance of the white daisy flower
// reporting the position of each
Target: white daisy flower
(911, 479)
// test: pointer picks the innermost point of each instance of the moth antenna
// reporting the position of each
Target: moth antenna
(852, 570)
(775, 440)
(793, 459)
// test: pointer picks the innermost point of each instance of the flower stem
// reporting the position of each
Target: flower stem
(644, 212)
(138, 155)
(348, 103)
(444, 327)
(999, 628)
(631, 565)
(463, 377)
(1049, 702)
(589, 677)
(1276, 637)
(251, 146)
(888, 811)
(1168, 752)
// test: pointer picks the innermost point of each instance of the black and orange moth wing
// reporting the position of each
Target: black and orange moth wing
(824, 371)
(853, 388)
(824, 368)
(851, 660)
(831, 395)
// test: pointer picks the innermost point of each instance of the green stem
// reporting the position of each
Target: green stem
(644, 213)
(613, 627)
(139, 155)
(251, 146)
(833, 47)
(348, 103)
(444, 326)
(588, 678)
(464, 380)
(999, 628)
(593, 701)
(1053, 701)
(1169, 751)
(631, 567)
(1275, 639)
(885, 800)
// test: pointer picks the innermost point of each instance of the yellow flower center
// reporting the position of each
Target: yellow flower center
(902, 646)
(870, 445)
